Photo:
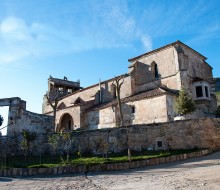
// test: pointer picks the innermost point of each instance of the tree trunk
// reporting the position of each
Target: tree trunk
(127, 143)
(120, 108)
(54, 114)
(129, 154)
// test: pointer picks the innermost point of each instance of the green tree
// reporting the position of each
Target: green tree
(63, 143)
(67, 144)
(53, 140)
(184, 103)
(217, 113)
(1, 120)
(27, 142)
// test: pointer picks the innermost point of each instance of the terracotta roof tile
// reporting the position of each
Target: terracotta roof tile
(143, 95)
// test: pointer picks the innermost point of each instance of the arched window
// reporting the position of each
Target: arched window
(156, 74)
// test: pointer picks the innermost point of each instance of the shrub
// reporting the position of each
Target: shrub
(184, 103)
(217, 113)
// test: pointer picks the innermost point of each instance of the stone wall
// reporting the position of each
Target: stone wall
(144, 112)
(33, 122)
(143, 74)
(40, 124)
(184, 134)
(217, 84)
(92, 93)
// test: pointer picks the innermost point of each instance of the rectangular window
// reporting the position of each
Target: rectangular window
(207, 91)
(113, 91)
(132, 109)
(199, 91)
(159, 144)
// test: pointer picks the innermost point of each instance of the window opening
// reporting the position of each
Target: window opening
(159, 144)
(132, 109)
(199, 91)
(156, 74)
(69, 124)
(206, 91)
(70, 91)
(114, 95)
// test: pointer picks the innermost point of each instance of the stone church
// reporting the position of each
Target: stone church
(148, 91)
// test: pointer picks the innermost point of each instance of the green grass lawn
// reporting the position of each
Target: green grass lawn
(54, 161)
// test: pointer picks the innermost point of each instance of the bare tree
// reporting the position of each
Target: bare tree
(117, 83)
(54, 103)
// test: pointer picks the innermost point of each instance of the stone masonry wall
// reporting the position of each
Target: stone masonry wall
(145, 112)
(143, 72)
(184, 134)
(42, 125)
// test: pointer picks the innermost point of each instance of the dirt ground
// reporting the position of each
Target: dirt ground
(196, 173)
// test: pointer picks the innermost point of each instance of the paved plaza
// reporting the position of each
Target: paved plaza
(196, 173)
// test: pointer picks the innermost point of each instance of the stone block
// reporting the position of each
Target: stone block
(90, 168)
(162, 160)
(167, 159)
(177, 157)
(97, 168)
(42, 171)
(152, 161)
(109, 167)
(185, 156)
(34, 171)
(30, 171)
(190, 155)
(120, 166)
(5, 173)
(157, 161)
(115, 166)
(173, 158)
(73, 169)
(15, 172)
(59, 170)
(181, 157)
(1, 172)
(55, 170)
(131, 165)
(24, 171)
(125, 165)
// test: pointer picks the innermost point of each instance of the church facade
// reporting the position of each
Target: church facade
(148, 91)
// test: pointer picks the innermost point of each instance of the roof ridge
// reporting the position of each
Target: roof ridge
(163, 47)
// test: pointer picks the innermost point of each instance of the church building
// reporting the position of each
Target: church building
(148, 91)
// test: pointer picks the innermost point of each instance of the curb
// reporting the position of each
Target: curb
(73, 169)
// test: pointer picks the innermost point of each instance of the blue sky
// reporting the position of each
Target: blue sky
(92, 39)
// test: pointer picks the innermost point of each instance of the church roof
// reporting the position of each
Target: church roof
(164, 47)
(143, 95)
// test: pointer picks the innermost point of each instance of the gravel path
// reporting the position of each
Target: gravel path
(196, 173)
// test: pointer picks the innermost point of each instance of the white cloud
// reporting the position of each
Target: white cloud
(19, 40)
(106, 25)
(147, 43)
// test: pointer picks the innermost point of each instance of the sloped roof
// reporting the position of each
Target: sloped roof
(143, 95)
(164, 47)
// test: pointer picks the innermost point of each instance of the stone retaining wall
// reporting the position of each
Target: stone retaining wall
(201, 133)
(73, 169)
